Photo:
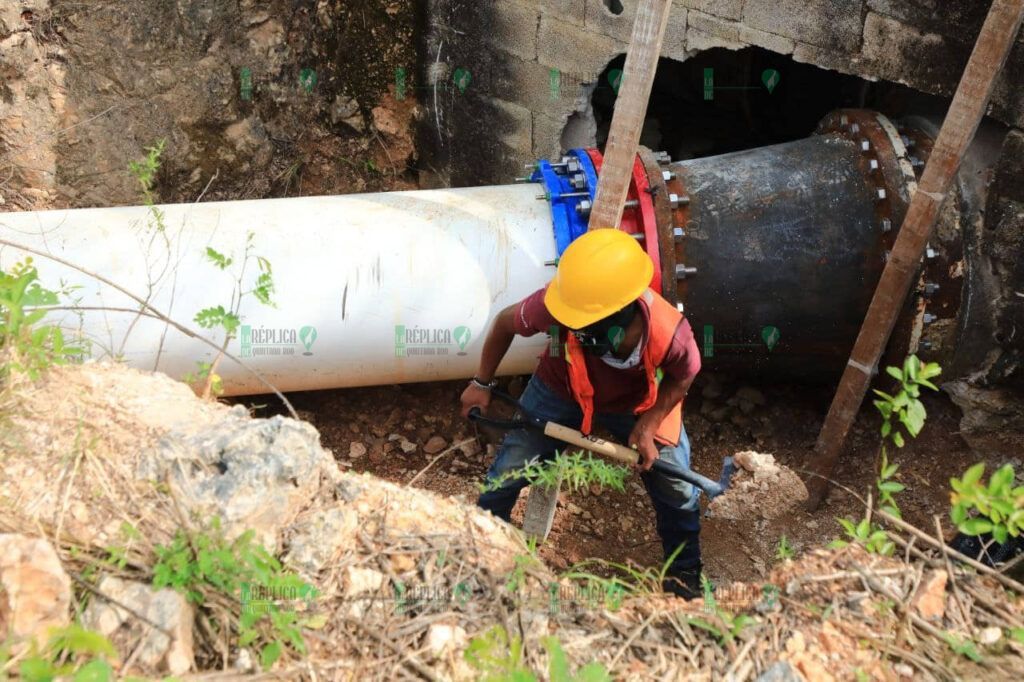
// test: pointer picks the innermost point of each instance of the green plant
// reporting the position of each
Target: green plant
(903, 409)
(205, 566)
(721, 623)
(71, 653)
(999, 505)
(25, 345)
(227, 318)
(964, 647)
(499, 658)
(523, 562)
(784, 551)
(575, 471)
(871, 536)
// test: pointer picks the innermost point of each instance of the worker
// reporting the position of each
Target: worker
(620, 356)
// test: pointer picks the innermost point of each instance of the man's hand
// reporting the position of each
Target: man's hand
(642, 440)
(474, 396)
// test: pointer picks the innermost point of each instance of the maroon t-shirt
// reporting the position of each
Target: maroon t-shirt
(615, 390)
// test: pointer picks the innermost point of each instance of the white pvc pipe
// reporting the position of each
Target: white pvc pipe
(356, 268)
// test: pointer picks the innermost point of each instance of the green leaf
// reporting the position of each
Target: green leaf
(218, 259)
(895, 373)
(973, 475)
(269, 655)
(975, 526)
(891, 487)
(94, 671)
(958, 514)
(897, 438)
(36, 669)
(1000, 533)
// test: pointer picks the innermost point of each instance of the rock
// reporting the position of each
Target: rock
(990, 636)
(751, 395)
(360, 581)
(319, 536)
(471, 449)
(780, 671)
(443, 639)
(435, 445)
(345, 110)
(377, 454)
(712, 387)
(903, 670)
(720, 414)
(36, 592)
(408, 447)
(746, 407)
(356, 450)
(250, 473)
(930, 599)
(157, 652)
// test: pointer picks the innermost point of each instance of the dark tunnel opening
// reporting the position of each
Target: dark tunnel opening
(722, 101)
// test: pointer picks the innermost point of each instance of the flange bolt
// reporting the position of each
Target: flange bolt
(930, 288)
(683, 271)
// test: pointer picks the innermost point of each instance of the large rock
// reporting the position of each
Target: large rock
(165, 648)
(251, 474)
(36, 592)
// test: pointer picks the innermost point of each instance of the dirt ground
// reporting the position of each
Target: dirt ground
(367, 428)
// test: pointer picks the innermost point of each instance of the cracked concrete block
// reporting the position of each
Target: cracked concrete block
(902, 53)
(515, 28)
(705, 32)
(620, 26)
(727, 9)
(547, 136)
(518, 134)
(580, 54)
(570, 10)
(830, 23)
(536, 86)
(768, 41)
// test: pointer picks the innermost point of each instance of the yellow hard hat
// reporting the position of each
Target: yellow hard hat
(598, 274)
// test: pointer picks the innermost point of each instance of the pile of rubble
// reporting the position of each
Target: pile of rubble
(407, 581)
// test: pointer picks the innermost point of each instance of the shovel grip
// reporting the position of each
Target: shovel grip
(619, 453)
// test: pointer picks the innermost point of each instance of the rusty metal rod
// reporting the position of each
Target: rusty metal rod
(965, 114)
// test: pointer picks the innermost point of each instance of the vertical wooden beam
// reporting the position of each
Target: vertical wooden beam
(961, 123)
(630, 112)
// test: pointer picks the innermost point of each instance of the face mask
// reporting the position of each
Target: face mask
(605, 335)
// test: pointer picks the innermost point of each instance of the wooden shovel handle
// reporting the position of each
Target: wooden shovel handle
(615, 451)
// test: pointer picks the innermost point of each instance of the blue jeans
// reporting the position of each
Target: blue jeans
(676, 503)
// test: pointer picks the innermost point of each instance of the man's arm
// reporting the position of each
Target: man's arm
(499, 338)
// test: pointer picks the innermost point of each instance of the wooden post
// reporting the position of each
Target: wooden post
(630, 112)
(962, 119)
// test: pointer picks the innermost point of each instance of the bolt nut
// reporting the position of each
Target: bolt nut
(865, 145)
(843, 120)
(930, 253)
(930, 288)
(678, 233)
(925, 345)
(881, 193)
(668, 176)
(682, 272)
(662, 157)
(583, 208)
(873, 164)
(578, 181)
(854, 128)
(573, 166)
(886, 225)
(929, 318)
(673, 199)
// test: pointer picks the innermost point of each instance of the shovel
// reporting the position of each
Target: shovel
(619, 453)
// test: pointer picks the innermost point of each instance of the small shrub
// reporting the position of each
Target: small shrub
(996, 508)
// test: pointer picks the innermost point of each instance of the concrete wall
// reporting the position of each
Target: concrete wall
(510, 47)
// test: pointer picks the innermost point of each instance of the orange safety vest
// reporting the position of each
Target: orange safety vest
(664, 319)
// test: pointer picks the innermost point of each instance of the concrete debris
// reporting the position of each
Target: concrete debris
(356, 450)
(36, 591)
(250, 473)
(156, 625)
(760, 488)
